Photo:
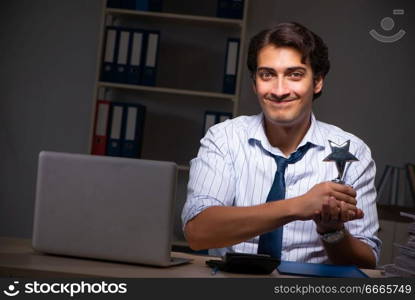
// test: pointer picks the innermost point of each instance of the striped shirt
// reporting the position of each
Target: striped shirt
(235, 167)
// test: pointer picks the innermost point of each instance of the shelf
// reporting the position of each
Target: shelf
(166, 90)
(177, 17)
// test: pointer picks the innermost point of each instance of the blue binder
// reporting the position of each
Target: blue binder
(231, 66)
(236, 9)
(110, 53)
(133, 130)
(223, 9)
(214, 117)
(232, 9)
(149, 5)
(121, 68)
(135, 56)
(319, 270)
(128, 4)
(150, 58)
(142, 5)
(115, 129)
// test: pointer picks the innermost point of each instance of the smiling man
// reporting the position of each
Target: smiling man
(259, 183)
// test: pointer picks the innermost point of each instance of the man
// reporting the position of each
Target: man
(246, 190)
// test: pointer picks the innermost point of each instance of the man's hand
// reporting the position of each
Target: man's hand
(327, 198)
(332, 217)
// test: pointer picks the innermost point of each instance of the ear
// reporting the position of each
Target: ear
(318, 84)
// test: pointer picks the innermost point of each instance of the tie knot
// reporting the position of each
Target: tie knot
(281, 163)
(294, 157)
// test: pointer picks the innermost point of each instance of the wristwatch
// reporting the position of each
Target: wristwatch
(334, 236)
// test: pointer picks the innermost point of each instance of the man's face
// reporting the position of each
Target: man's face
(285, 86)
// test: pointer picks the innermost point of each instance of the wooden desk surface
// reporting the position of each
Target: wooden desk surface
(18, 259)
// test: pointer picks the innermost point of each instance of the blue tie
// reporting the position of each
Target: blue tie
(271, 242)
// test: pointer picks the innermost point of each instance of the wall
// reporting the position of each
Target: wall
(47, 58)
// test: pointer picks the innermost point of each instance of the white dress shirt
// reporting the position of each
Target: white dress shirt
(234, 167)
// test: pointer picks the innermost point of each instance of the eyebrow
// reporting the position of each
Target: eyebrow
(290, 69)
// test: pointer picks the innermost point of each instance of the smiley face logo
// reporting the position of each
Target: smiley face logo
(387, 24)
(11, 290)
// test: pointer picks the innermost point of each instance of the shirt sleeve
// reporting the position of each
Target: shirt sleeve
(211, 178)
(361, 175)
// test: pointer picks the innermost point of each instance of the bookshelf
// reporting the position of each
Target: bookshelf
(175, 17)
(228, 102)
(167, 90)
(190, 74)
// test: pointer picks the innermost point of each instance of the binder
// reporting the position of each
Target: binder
(231, 66)
(224, 116)
(236, 9)
(148, 5)
(142, 5)
(133, 130)
(99, 141)
(320, 270)
(232, 9)
(223, 9)
(214, 117)
(210, 120)
(111, 45)
(151, 57)
(128, 4)
(114, 133)
(122, 56)
(135, 54)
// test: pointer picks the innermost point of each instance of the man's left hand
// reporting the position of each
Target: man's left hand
(333, 215)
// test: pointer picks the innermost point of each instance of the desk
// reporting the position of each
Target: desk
(18, 259)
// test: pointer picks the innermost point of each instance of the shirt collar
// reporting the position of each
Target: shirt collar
(257, 135)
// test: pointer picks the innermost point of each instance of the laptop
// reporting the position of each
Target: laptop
(102, 207)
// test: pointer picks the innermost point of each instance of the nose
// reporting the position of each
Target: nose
(280, 88)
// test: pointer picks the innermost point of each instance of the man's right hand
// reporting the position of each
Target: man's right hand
(311, 203)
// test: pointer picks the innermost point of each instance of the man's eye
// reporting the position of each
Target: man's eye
(265, 75)
(296, 75)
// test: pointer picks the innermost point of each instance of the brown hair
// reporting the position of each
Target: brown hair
(295, 35)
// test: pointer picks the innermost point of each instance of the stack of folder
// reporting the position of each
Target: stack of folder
(130, 56)
(118, 129)
(404, 262)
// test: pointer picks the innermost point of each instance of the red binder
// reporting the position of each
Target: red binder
(99, 141)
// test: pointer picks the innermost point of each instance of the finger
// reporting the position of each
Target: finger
(344, 197)
(356, 215)
(345, 189)
(334, 209)
(350, 208)
(352, 215)
(325, 212)
(360, 214)
(345, 215)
